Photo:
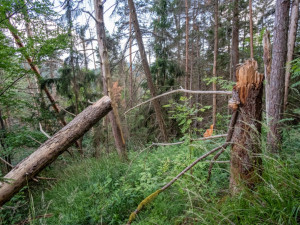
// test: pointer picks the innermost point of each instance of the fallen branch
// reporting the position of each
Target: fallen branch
(228, 139)
(183, 91)
(7, 163)
(198, 139)
(43, 132)
(156, 193)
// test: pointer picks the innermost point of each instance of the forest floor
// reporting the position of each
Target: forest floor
(106, 190)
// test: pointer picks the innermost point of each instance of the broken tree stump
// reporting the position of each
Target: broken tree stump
(245, 163)
(52, 148)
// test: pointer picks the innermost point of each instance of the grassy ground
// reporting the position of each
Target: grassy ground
(106, 191)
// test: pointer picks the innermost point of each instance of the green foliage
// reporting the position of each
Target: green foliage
(185, 114)
(224, 84)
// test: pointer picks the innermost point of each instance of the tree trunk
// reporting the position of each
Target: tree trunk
(215, 60)
(114, 115)
(275, 92)
(130, 62)
(251, 30)
(267, 68)
(52, 148)
(187, 74)
(245, 163)
(291, 44)
(235, 39)
(7, 155)
(139, 39)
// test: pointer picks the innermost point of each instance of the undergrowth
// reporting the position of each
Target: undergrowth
(106, 191)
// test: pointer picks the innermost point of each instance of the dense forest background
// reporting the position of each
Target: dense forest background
(59, 57)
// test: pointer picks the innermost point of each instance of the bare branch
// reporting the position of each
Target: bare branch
(183, 91)
(7, 163)
(43, 132)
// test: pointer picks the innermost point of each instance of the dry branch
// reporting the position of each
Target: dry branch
(156, 193)
(183, 91)
(198, 139)
(52, 148)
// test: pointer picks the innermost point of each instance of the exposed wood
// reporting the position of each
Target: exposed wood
(52, 148)
(245, 164)
(291, 45)
(276, 89)
(156, 104)
(114, 114)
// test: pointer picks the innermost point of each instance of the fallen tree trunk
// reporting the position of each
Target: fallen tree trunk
(52, 148)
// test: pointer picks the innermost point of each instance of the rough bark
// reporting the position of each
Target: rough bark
(146, 67)
(291, 44)
(52, 148)
(251, 30)
(276, 88)
(215, 60)
(245, 163)
(235, 38)
(114, 115)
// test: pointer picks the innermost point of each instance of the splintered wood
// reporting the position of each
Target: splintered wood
(245, 162)
(247, 78)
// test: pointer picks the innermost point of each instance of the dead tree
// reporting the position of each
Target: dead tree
(52, 148)
(245, 162)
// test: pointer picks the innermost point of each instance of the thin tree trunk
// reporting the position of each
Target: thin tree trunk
(235, 39)
(187, 74)
(215, 60)
(291, 44)
(130, 62)
(114, 115)
(52, 148)
(7, 155)
(276, 89)
(267, 68)
(245, 164)
(251, 30)
(139, 39)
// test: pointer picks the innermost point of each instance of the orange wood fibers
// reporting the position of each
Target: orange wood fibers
(209, 131)
(247, 77)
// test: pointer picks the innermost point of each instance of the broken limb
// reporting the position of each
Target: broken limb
(156, 193)
(224, 146)
(183, 91)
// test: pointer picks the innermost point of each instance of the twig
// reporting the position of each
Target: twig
(34, 139)
(7, 163)
(198, 139)
(67, 111)
(184, 91)
(228, 139)
(43, 132)
(46, 178)
(91, 15)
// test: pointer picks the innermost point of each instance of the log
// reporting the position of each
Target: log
(52, 148)
(245, 163)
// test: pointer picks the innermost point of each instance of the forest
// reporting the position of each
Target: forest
(149, 112)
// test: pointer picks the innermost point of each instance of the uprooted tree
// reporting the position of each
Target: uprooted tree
(52, 148)
(243, 135)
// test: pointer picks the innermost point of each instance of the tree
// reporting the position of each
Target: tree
(276, 88)
(114, 115)
(291, 44)
(146, 67)
(235, 38)
(251, 30)
(216, 27)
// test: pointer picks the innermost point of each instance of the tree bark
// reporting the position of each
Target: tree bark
(142, 51)
(52, 148)
(276, 88)
(291, 44)
(215, 60)
(251, 30)
(114, 115)
(235, 39)
(245, 163)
